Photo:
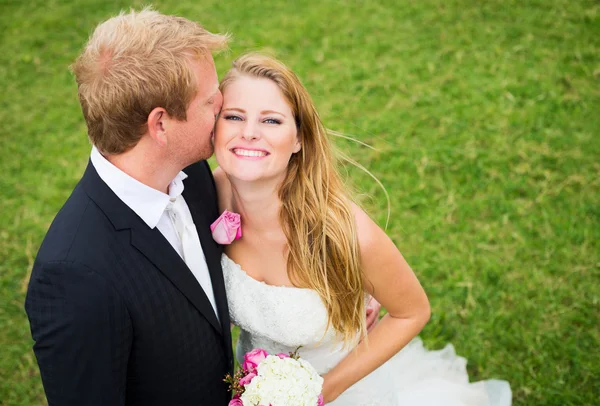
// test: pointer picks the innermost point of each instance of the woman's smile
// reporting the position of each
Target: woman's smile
(249, 153)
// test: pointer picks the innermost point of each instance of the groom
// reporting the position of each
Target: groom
(126, 299)
(120, 311)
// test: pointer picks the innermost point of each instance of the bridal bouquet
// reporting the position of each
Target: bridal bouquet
(275, 380)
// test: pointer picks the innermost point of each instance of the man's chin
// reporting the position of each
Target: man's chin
(203, 155)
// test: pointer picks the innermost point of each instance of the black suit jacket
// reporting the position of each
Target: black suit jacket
(116, 315)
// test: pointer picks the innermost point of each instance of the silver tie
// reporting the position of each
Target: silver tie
(192, 249)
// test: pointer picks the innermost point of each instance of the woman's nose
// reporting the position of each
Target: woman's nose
(250, 132)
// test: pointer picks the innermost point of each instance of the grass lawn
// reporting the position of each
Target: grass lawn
(485, 117)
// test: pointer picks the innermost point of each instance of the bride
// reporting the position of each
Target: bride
(309, 256)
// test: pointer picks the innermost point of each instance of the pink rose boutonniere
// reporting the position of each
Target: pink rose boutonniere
(227, 228)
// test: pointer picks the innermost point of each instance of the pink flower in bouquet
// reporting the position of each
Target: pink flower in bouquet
(278, 381)
(236, 402)
(227, 228)
(247, 379)
(253, 358)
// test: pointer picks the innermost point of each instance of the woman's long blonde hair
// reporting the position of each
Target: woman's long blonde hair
(316, 213)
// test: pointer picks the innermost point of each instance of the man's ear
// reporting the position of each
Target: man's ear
(157, 125)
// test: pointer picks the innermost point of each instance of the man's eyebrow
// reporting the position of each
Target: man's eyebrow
(214, 94)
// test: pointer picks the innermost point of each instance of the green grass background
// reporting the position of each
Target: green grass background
(486, 120)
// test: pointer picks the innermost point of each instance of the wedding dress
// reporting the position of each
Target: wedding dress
(280, 319)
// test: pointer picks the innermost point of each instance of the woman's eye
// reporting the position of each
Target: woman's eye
(232, 118)
(272, 121)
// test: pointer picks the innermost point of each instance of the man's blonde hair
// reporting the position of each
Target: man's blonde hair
(133, 63)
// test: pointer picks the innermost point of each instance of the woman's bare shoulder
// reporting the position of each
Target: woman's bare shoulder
(368, 231)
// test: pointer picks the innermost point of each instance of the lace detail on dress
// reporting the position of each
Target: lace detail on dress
(279, 318)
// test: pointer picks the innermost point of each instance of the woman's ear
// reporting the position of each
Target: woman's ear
(297, 145)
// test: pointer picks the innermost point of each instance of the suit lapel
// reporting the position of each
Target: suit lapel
(151, 243)
(212, 252)
(157, 249)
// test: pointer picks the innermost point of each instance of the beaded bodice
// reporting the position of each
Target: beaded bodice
(280, 319)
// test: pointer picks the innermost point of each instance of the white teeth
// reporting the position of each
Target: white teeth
(245, 152)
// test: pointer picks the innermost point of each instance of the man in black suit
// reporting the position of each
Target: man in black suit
(126, 300)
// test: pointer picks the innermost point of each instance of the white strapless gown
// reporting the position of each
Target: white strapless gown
(280, 319)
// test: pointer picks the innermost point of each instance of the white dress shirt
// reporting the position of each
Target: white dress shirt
(150, 205)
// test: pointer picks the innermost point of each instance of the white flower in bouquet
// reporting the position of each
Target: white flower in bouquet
(283, 381)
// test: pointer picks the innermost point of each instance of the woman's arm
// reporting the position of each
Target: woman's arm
(391, 281)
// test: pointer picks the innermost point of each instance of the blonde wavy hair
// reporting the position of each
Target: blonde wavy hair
(133, 63)
(316, 212)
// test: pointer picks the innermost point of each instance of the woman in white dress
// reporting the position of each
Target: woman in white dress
(309, 256)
